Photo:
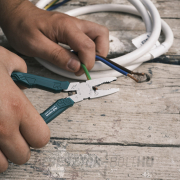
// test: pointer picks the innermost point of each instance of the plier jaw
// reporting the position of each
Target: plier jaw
(86, 89)
(83, 91)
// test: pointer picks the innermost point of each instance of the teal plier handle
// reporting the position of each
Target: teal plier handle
(34, 81)
(57, 108)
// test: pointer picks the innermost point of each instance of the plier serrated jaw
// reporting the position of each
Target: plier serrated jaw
(85, 90)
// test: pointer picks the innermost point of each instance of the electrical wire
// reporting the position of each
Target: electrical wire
(119, 66)
(111, 65)
(51, 4)
(57, 5)
(116, 67)
(42, 3)
(86, 71)
(108, 62)
(154, 25)
(124, 70)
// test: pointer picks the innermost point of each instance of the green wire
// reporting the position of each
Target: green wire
(86, 71)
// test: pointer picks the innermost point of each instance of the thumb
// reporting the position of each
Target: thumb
(54, 53)
(12, 62)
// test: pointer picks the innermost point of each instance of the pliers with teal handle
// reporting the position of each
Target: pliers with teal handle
(83, 91)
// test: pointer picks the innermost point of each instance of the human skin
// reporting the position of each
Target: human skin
(35, 32)
(20, 124)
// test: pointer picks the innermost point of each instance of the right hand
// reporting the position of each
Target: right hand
(35, 32)
(21, 126)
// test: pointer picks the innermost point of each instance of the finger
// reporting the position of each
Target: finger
(14, 110)
(70, 34)
(13, 62)
(99, 34)
(14, 147)
(3, 162)
(82, 44)
(33, 127)
(12, 144)
(46, 49)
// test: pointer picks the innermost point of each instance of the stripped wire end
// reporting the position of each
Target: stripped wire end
(132, 77)
(139, 74)
(140, 77)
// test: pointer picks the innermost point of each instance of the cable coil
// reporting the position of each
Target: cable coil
(154, 24)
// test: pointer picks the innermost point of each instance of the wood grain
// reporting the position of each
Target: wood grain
(146, 113)
(60, 160)
(133, 134)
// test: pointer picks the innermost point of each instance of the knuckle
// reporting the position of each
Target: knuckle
(5, 133)
(105, 30)
(88, 44)
(56, 54)
(55, 16)
(59, 17)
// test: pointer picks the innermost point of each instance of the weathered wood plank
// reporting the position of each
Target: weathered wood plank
(133, 134)
(64, 161)
(146, 113)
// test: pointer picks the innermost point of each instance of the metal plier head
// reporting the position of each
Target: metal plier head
(86, 89)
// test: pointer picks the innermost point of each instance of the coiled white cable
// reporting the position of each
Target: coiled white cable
(41, 4)
(154, 25)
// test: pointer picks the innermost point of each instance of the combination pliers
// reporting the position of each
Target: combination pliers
(84, 90)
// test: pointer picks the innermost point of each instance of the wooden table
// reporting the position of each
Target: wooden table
(133, 134)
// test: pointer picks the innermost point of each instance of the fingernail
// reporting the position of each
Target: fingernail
(73, 65)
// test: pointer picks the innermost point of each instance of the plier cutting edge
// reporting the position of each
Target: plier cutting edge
(84, 90)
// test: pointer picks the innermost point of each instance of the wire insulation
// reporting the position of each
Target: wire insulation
(86, 71)
(57, 5)
(111, 65)
(51, 4)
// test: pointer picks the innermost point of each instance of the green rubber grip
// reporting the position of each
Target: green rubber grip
(57, 108)
(34, 81)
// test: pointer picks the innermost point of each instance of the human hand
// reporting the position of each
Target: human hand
(20, 124)
(35, 32)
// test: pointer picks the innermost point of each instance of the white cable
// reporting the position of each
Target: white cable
(144, 14)
(132, 60)
(42, 3)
